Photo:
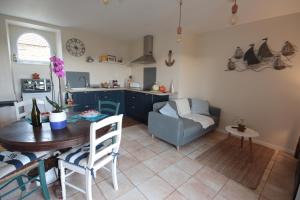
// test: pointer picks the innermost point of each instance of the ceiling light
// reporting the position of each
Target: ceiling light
(179, 28)
(105, 2)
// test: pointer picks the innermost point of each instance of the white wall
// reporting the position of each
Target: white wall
(95, 46)
(163, 42)
(268, 100)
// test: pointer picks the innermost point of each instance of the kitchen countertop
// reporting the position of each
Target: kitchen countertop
(73, 90)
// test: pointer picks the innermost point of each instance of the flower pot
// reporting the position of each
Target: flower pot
(58, 120)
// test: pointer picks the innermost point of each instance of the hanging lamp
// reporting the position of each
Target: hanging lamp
(179, 28)
(234, 10)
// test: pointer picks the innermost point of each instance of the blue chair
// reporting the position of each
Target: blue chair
(108, 107)
(15, 165)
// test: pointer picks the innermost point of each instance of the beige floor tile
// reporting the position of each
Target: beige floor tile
(189, 166)
(139, 174)
(96, 193)
(220, 197)
(188, 148)
(126, 161)
(274, 192)
(211, 178)
(194, 189)
(143, 154)
(131, 146)
(156, 188)
(176, 196)
(145, 141)
(235, 191)
(159, 147)
(157, 164)
(172, 155)
(174, 176)
(108, 190)
(134, 194)
(199, 151)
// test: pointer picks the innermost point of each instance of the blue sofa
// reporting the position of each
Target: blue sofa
(178, 131)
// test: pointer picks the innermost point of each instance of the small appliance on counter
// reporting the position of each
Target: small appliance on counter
(38, 89)
(135, 85)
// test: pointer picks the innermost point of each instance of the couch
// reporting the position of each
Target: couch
(179, 131)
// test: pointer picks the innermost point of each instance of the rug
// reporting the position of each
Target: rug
(237, 164)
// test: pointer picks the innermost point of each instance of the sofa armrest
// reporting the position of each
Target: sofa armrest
(166, 128)
(216, 113)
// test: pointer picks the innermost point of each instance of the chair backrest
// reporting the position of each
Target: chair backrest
(22, 107)
(114, 135)
(109, 107)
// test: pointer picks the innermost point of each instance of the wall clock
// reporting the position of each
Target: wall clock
(75, 47)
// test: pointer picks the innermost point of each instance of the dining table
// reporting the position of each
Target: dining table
(22, 136)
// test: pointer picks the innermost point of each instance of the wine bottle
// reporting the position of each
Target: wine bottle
(35, 114)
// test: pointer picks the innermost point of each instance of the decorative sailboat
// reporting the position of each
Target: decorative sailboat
(230, 65)
(288, 49)
(250, 56)
(264, 50)
(238, 54)
(278, 63)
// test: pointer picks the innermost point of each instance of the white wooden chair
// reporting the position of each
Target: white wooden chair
(89, 158)
(23, 107)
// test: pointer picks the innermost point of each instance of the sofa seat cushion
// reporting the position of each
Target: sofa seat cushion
(191, 127)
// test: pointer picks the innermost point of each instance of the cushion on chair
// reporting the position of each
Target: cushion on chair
(169, 111)
(200, 107)
(79, 155)
(11, 161)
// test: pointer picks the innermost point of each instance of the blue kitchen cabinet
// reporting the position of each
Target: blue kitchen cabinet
(84, 101)
(115, 96)
(139, 104)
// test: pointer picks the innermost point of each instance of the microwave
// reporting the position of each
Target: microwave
(35, 85)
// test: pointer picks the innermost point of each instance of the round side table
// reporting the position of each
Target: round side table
(249, 133)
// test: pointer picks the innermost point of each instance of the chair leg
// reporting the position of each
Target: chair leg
(21, 183)
(62, 178)
(88, 184)
(43, 180)
(114, 173)
(177, 147)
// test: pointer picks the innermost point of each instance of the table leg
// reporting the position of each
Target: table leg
(251, 151)
(250, 143)
(229, 134)
(242, 142)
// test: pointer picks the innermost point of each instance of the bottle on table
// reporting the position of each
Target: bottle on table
(35, 114)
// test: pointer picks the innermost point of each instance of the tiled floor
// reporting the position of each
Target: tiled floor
(151, 169)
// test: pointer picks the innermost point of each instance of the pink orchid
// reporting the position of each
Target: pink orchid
(58, 66)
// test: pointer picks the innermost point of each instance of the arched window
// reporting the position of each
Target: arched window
(33, 48)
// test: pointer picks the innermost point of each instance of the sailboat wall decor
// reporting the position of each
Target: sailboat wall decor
(262, 58)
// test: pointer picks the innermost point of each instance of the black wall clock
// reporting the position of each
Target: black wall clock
(75, 47)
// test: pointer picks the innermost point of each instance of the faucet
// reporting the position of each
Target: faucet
(85, 81)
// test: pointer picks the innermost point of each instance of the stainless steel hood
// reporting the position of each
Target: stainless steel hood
(147, 58)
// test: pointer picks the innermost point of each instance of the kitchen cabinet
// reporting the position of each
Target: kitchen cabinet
(139, 104)
(132, 103)
(84, 101)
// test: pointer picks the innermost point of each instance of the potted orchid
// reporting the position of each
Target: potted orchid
(58, 117)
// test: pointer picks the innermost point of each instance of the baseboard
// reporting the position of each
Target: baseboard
(264, 143)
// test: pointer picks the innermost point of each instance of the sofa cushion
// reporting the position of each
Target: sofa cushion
(169, 111)
(191, 128)
(200, 107)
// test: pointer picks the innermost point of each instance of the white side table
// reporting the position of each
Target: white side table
(249, 133)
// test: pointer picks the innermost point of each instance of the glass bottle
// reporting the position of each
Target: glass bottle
(35, 114)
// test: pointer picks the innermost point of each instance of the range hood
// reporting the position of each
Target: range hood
(147, 58)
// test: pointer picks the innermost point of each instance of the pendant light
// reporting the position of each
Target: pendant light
(105, 2)
(234, 10)
(179, 28)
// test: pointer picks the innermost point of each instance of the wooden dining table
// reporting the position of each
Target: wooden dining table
(22, 136)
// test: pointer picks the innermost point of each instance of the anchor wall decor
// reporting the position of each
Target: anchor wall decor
(170, 62)
(264, 58)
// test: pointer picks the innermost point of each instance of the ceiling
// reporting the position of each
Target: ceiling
(131, 19)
